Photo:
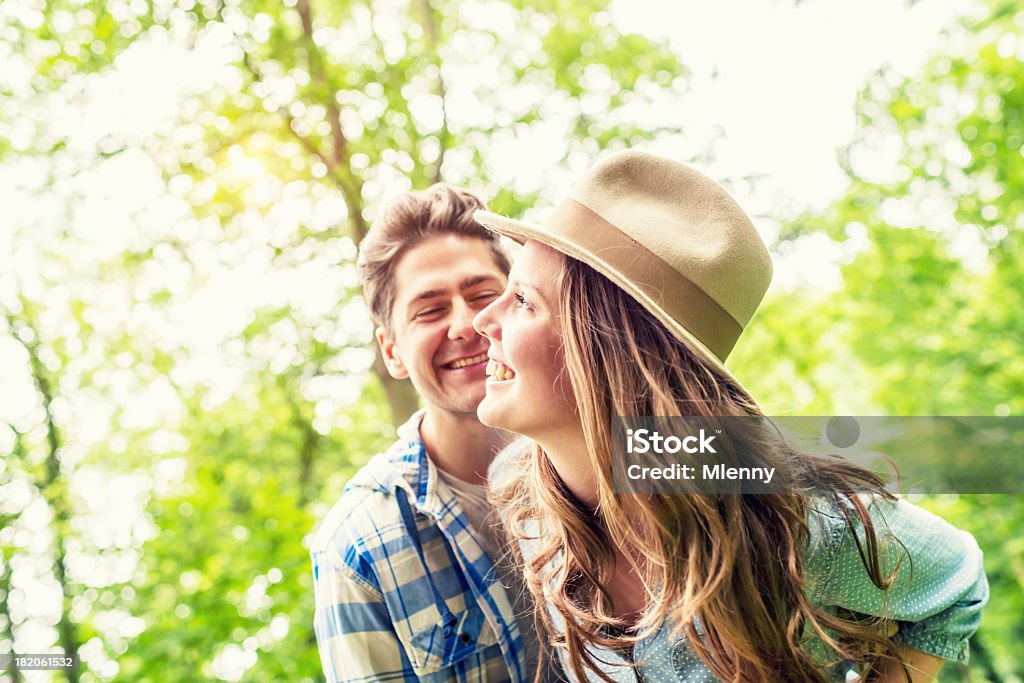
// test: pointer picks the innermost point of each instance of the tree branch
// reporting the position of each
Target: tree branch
(5, 611)
(310, 440)
(339, 162)
(440, 90)
(53, 488)
(401, 397)
(289, 120)
(5, 556)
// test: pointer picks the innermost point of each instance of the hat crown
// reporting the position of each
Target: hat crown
(685, 219)
(671, 238)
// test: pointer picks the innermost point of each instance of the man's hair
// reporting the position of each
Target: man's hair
(410, 220)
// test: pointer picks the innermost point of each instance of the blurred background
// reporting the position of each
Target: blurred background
(186, 375)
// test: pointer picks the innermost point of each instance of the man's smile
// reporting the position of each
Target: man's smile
(465, 362)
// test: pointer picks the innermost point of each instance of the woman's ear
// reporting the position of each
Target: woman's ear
(389, 351)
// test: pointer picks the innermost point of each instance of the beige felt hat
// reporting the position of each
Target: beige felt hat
(669, 236)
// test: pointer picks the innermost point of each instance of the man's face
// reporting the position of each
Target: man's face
(439, 286)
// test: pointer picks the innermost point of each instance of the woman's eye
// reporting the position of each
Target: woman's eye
(521, 300)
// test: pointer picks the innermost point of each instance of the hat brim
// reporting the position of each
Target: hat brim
(519, 231)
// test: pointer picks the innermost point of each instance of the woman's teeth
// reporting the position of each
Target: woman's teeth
(499, 371)
(455, 365)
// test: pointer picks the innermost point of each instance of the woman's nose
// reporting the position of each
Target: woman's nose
(485, 322)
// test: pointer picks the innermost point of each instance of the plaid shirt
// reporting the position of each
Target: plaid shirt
(404, 592)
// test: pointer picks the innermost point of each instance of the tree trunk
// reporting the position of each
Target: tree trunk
(54, 490)
(401, 396)
(309, 444)
(5, 611)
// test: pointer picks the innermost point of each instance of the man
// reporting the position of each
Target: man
(407, 584)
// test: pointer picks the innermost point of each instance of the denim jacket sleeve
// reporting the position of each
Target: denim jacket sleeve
(939, 587)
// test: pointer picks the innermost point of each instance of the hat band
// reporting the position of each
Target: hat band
(623, 259)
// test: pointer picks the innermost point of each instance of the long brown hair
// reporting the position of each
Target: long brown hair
(727, 570)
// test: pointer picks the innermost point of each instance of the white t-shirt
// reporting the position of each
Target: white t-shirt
(473, 500)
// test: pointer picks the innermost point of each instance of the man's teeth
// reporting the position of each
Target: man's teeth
(499, 371)
(468, 361)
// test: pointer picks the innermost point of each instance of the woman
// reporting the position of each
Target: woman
(627, 303)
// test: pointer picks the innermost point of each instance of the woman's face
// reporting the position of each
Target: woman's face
(528, 390)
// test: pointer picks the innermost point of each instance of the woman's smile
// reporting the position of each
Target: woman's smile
(498, 372)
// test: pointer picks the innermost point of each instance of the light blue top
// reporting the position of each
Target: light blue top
(936, 604)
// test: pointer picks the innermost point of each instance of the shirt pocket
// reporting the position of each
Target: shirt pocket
(433, 646)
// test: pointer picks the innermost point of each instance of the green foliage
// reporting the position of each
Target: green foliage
(272, 170)
(995, 521)
(927, 321)
(331, 108)
(227, 569)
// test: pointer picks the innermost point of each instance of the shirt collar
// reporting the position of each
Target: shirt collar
(410, 430)
(416, 472)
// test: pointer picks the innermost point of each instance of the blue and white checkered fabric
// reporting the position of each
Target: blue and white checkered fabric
(404, 592)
